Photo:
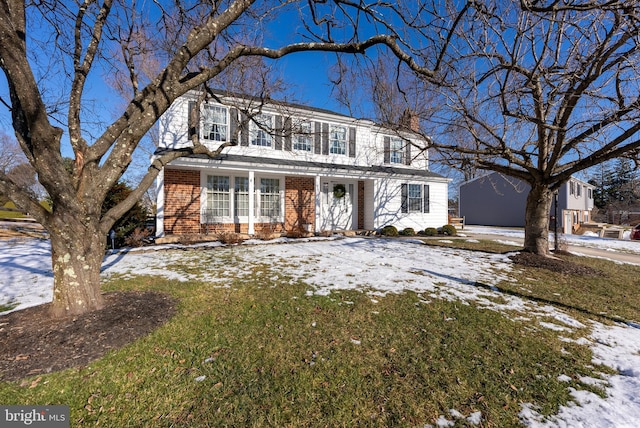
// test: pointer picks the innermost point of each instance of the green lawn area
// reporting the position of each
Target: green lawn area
(263, 352)
(10, 214)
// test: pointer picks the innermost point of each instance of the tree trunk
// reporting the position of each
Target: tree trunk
(536, 226)
(77, 252)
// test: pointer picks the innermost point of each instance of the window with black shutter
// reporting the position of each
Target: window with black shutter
(414, 198)
(192, 120)
(387, 149)
(426, 198)
(404, 204)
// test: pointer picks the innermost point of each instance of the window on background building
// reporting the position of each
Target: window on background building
(262, 130)
(218, 196)
(578, 190)
(241, 196)
(572, 188)
(589, 193)
(338, 140)
(269, 197)
(396, 151)
(304, 139)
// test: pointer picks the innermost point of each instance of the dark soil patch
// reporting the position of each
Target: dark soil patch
(31, 343)
(554, 264)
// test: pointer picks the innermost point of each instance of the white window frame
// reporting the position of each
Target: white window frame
(414, 203)
(396, 150)
(215, 123)
(264, 199)
(338, 142)
(216, 196)
(261, 135)
(303, 139)
(240, 197)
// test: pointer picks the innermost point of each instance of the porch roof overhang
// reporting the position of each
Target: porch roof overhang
(304, 167)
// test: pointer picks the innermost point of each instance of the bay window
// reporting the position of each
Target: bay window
(218, 196)
(269, 201)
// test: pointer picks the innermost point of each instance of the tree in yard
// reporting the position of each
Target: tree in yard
(56, 56)
(617, 189)
(537, 90)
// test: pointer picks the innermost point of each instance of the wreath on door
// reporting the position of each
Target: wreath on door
(339, 191)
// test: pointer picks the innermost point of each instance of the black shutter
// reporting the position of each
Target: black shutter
(288, 131)
(352, 142)
(317, 141)
(407, 153)
(193, 127)
(426, 198)
(404, 204)
(278, 133)
(387, 149)
(325, 138)
(233, 125)
(244, 130)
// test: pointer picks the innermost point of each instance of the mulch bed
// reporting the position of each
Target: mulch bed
(31, 343)
(554, 264)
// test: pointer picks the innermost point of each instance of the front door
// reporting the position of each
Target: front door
(337, 201)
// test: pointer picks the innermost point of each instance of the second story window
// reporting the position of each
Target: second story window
(261, 130)
(338, 140)
(396, 151)
(303, 140)
(214, 123)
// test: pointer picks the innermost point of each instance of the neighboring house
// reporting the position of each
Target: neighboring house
(293, 168)
(499, 200)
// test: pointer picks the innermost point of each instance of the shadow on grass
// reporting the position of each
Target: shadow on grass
(543, 300)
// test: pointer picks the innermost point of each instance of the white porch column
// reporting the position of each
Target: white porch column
(160, 204)
(318, 193)
(251, 230)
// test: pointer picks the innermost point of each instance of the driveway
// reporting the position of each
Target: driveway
(623, 256)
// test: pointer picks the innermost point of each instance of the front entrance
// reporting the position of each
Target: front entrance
(337, 204)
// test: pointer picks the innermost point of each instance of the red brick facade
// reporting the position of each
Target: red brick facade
(182, 202)
(182, 206)
(299, 203)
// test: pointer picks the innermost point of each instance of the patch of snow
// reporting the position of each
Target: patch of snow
(376, 267)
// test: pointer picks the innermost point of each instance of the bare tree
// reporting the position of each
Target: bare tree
(53, 75)
(537, 90)
(10, 153)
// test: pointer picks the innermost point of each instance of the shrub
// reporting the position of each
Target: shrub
(449, 229)
(389, 231)
(408, 231)
(430, 231)
(264, 234)
(138, 237)
(229, 238)
(298, 232)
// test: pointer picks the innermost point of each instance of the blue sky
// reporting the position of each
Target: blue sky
(306, 71)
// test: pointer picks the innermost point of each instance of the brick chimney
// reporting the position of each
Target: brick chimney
(410, 120)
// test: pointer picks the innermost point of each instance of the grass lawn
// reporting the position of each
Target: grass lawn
(10, 214)
(262, 352)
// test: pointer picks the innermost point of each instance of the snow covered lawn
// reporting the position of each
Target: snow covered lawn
(376, 267)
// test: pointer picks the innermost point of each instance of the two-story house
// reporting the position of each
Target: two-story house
(292, 168)
(498, 200)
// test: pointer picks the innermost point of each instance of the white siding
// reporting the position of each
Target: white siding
(388, 205)
(369, 138)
